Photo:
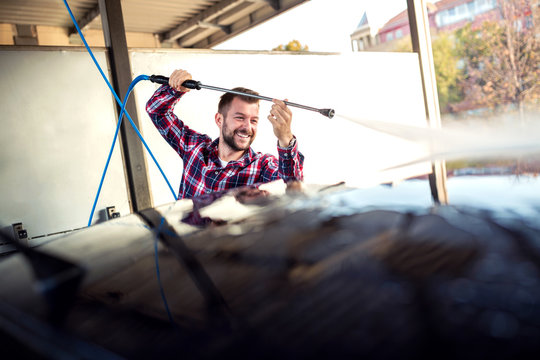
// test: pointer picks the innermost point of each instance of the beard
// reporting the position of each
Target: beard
(228, 137)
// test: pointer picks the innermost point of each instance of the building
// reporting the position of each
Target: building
(444, 15)
(398, 27)
(361, 38)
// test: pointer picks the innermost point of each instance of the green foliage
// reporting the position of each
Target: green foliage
(471, 46)
(293, 45)
(447, 71)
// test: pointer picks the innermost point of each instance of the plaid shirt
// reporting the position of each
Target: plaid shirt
(203, 172)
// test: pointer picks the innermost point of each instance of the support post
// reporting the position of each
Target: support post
(132, 149)
(421, 44)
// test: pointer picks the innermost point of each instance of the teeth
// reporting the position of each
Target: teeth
(243, 136)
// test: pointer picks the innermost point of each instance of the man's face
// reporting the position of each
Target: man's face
(239, 125)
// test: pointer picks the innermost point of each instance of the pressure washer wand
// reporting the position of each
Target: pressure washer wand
(197, 85)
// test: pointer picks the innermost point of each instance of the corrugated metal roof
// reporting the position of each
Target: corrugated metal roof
(190, 23)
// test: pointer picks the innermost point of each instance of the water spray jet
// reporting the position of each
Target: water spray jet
(197, 85)
(461, 140)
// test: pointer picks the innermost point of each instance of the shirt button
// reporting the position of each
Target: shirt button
(217, 172)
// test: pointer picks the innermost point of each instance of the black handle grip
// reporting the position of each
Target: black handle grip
(190, 84)
(159, 79)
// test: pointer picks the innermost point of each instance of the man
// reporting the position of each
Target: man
(229, 161)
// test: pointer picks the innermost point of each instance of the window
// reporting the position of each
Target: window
(485, 5)
(389, 36)
(399, 33)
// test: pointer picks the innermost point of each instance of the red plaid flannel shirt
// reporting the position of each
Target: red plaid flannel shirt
(203, 172)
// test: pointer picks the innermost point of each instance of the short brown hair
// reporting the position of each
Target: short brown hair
(227, 98)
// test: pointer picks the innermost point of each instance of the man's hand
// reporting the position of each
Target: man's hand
(177, 78)
(281, 117)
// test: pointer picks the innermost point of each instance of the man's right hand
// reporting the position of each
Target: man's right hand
(177, 78)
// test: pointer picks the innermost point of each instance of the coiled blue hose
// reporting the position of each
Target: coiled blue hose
(122, 104)
(131, 86)
(122, 111)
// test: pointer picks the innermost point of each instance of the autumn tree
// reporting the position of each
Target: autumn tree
(501, 58)
(293, 45)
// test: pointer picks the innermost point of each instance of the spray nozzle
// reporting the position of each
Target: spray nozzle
(329, 113)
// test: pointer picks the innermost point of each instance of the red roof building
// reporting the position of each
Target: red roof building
(444, 15)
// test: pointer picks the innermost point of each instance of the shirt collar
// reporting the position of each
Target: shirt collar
(244, 160)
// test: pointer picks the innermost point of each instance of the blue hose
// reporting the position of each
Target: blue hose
(139, 78)
(122, 111)
(158, 276)
(131, 86)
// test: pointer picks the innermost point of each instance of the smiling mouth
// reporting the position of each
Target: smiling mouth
(243, 136)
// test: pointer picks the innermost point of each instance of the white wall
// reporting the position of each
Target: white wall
(370, 86)
(57, 121)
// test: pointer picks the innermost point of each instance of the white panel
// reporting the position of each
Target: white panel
(58, 122)
(370, 86)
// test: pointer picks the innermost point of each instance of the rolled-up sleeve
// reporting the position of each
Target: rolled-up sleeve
(289, 166)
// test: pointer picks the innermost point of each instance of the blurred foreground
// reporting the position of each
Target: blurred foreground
(312, 274)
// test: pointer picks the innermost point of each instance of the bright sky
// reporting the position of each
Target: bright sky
(322, 25)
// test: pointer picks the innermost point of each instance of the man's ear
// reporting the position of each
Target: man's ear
(219, 120)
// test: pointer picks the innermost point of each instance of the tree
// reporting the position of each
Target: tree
(293, 45)
(501, 58)
(447, 72)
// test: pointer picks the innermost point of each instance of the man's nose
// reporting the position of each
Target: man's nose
(245, 124)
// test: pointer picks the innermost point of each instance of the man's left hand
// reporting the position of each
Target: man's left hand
(280, 117)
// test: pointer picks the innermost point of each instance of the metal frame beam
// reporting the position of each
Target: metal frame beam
(205, 16)
(85, 20)
(132, 149)
(208, 25)
(275, 4)
(25, 35)
(195, 38)
(421, 44)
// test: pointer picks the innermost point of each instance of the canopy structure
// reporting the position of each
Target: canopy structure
(198, 24)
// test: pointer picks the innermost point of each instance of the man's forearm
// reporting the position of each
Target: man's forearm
(161, 105)
(160, 109)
